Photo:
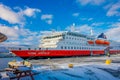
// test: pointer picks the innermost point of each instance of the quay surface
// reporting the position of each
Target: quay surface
(76, 60)
(84, 68)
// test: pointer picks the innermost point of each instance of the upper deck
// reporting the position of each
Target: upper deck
(67, 40)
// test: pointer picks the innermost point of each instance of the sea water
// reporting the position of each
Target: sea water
(4, 61)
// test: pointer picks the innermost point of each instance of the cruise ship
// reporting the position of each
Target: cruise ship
(67, 43)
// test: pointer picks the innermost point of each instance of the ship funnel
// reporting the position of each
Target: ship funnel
(102, 35)
(91, 32)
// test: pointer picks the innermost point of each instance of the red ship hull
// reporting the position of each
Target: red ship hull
(59, 53)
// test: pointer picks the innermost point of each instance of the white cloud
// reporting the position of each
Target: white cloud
(30, 11)
(81, 28)
(108, 6)
(91, 2)
(17, 35)
(114, 32)
(88, 19)
(114, 10)
(97, 24)
(49, 21)
(9, 32)
(83, 19)
(118, 19)
(75, 14)
(84, 28)
(47, 18)
(9, 15)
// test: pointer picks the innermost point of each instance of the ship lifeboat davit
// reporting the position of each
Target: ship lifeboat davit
(106, 42)
(91, 42)
(99, 42)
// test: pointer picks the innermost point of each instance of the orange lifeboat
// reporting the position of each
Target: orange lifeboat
(91, 42)
(99, 42)
(106, 42)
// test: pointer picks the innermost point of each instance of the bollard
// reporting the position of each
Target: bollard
(70, 65)
(48, 58)
(108, 61)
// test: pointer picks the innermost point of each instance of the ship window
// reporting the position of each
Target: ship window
(71, 47)
(19, 48)
(63, 37)
(74, 47)
(80, 47)
(28, 48)
(65, 47)
(61, 47)
(68, 47)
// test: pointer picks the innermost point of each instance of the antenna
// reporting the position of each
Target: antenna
(72, 28)
(73, 24)
(91, 32)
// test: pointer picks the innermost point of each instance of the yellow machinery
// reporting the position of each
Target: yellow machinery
(108, 61)
(70, 65)
(15, 64)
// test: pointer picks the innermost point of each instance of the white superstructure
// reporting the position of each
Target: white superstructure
(69, 41)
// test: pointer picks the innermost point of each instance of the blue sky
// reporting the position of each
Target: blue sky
(23, 20)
